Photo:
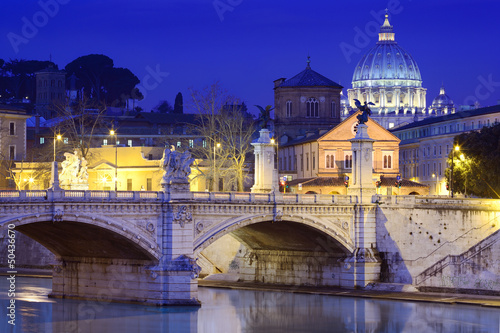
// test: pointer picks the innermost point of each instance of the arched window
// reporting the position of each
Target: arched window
(312, 106)
(59, 83)
(334, 109)
(288, 109)
(348, 160)
(387, 160)
(330, 161)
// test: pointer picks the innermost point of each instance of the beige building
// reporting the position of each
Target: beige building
(12, 140)
(425, 145)
(319, 162)
(138, 169)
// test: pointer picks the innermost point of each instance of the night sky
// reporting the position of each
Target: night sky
(246, 44)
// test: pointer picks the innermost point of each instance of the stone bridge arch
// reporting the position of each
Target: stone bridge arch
(230, 225)
(283, 249)
(80, 235)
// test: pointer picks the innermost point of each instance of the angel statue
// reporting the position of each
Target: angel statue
(365, 109)
(264, 116)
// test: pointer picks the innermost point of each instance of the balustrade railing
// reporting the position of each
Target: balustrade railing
(238, 197)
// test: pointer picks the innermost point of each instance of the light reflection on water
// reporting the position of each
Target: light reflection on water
(239, 311)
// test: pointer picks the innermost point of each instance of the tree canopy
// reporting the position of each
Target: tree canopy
(476, 165)
(100, 81)
(18, 77)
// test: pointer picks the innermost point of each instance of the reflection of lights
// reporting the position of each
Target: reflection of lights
(457, 148)
(103, 180)
(272, 141)
(31, 180)
(59, 137)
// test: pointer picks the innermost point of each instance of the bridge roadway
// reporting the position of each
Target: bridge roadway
(141, 246)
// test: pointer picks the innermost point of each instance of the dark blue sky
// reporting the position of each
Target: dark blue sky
(246, 44)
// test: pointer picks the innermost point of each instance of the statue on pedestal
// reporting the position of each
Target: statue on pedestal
(365, 109)
(176, 167)
(74, 172)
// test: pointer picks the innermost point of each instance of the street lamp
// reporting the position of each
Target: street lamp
(216, 145)
(113, 133)
(58, 137)
(456, 148)
(435, 185)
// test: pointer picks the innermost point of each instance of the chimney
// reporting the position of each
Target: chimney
(278, 82)
(37, 123)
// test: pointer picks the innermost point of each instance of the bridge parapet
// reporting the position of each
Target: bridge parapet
(278, 198)
(437, 201)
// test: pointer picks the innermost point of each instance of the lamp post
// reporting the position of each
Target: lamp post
(435, 185)
(113, 133)
(216, 145)
(456, 148)
(56, 137)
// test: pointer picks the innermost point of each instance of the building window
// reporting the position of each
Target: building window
(129, 184)
(12, 128)
(44, 83)
(204, 143)
(59, 84)
(307, 161)
(288, 109)
(179, 144)
(439, 150)
(65, 141)
(313, 161)
(440, 168)
(149, 184)
(387, 157)
(191, 143)
(330, 161)
(42, 141)
(12, 152)
(105, 142)
(479, 124)
(348, 160)
(129, 143)
(334, 109)
(301, 162)
(472, 125)
(290, 163)
(312, 106)
(150, 157)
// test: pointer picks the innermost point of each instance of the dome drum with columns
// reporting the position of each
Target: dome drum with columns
(389, 77)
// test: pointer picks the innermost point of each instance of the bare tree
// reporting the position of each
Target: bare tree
(80, 121)
(227, 131)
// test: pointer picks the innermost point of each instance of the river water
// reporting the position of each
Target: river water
(236, 311)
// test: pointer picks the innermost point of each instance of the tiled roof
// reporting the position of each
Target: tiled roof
(167, 118)
(339, 181)
(390, 181)
(309, 78)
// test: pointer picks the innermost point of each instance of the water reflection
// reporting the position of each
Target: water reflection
(240, 311)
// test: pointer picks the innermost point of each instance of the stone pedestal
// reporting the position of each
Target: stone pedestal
(265, 179)
(54, 178)
(361, 182)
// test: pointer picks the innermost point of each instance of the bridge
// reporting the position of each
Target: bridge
(142, 246)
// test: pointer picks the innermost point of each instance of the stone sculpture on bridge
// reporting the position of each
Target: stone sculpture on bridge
(74, 173)
(176, 169)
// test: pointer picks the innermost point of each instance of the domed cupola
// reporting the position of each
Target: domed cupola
(442, 104)
(388, 76)
(442, 99)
